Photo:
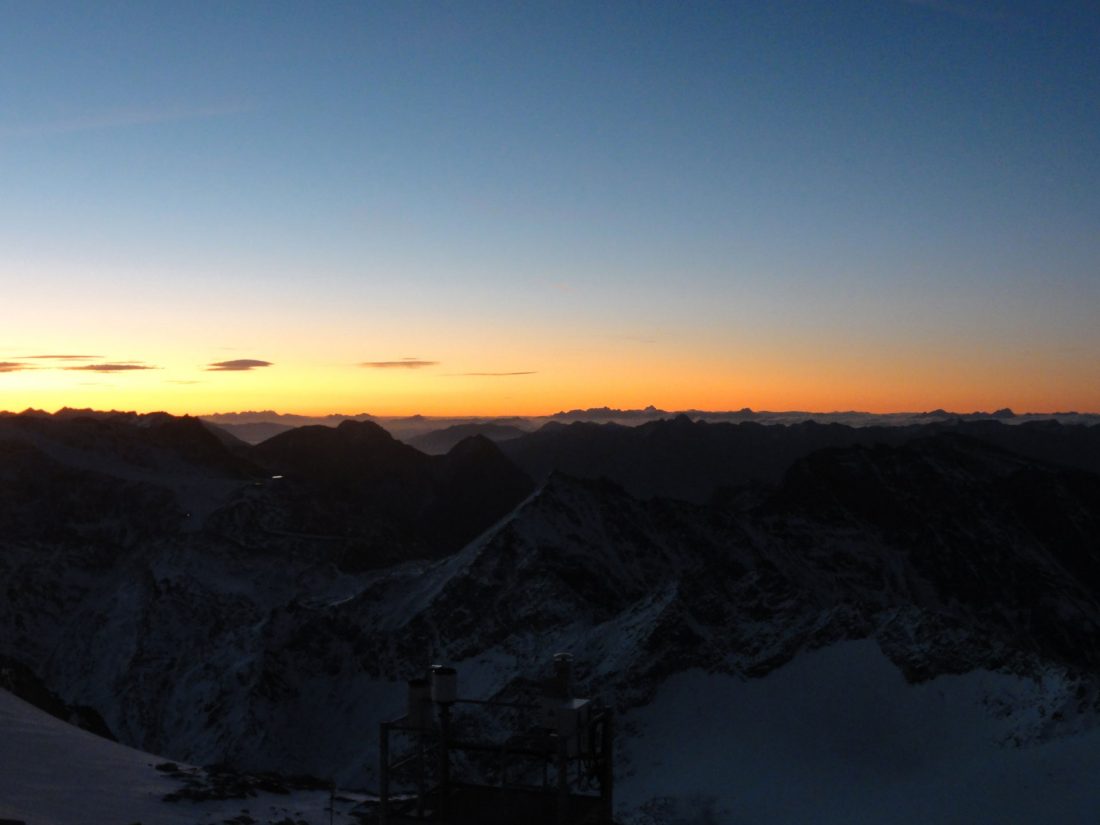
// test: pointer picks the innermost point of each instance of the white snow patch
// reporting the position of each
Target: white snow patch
(56, 774)
(838, 736)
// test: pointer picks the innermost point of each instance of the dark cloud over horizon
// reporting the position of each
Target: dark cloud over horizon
(14, 366)
(238, 365)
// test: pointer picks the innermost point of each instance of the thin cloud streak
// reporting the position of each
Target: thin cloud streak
(120, 119)
(407, 363)
(237, 365)
(62, 357)
(12, 366)
(125, 367)
(492, 374)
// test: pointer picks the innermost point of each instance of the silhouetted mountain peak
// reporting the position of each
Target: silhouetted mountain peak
(363, 431)
(347, 434)
(351, 450)
(439, 442)
(193, 439)
(474, 446)
(74, 412)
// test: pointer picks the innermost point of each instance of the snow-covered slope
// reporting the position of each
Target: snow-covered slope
(55, 774)
(838, 736)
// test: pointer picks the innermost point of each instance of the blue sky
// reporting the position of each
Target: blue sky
(895, 183)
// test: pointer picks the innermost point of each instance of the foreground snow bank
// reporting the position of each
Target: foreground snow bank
(838, 736)
(52, 773)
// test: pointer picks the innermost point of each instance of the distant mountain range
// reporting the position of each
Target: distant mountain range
(420, 430)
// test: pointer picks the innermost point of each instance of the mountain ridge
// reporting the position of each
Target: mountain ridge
(950, 553)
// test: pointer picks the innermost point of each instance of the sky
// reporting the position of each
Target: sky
(516, 208)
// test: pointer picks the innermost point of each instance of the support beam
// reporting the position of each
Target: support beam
(444, 759)
(563, 782)
(384, 773)
(607, 774)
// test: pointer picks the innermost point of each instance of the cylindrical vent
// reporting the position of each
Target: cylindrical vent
(444, 684)
(419, 708)
(563, 674)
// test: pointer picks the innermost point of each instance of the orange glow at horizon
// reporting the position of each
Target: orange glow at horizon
(491, 364)
(569, 381)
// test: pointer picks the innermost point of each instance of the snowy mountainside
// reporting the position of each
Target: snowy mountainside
(945, 555)
(838, 736)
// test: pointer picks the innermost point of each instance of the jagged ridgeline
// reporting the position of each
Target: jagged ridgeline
(261, 605)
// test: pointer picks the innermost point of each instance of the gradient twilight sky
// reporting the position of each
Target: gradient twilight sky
(523, 207)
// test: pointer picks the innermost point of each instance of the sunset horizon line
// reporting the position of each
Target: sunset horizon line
(1004, 411)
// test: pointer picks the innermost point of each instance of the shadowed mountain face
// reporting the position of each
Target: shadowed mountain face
(127, 442)
(952, 553)
(43, 500)
(352, 452)
(351, 494)
(679, 458)
(985, 541)
(371, 499)
(112, 477)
